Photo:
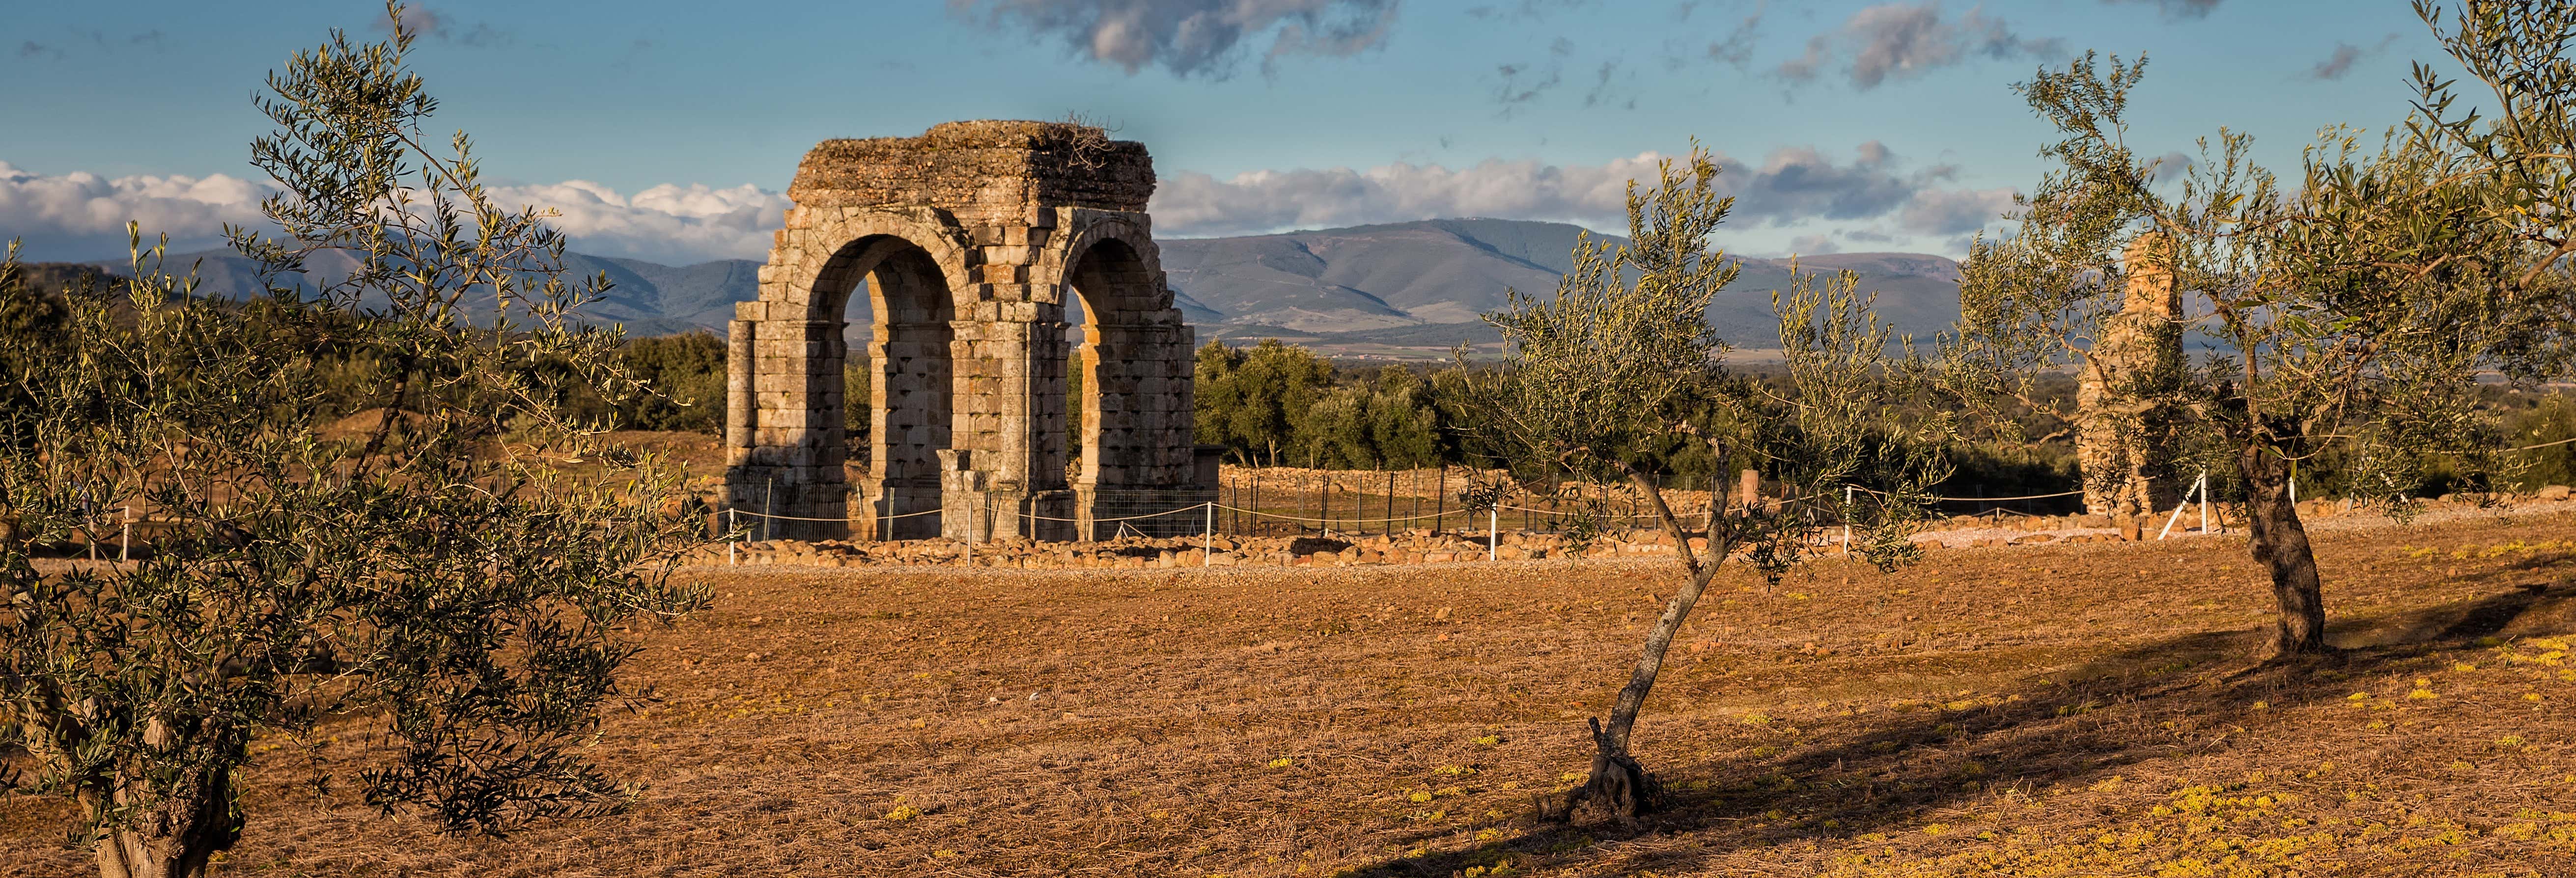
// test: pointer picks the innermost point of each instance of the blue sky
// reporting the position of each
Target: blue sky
(665, 130)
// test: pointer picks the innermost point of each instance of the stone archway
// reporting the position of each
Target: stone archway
(970, 239)
(1135, 361)
(911, 380)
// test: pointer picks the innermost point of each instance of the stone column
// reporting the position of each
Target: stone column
(796, 440)
(2122, 444)
(739, 405)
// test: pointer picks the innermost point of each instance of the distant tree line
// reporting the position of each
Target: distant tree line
(1277, 404)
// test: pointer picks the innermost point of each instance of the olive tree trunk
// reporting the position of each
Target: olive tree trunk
(169, 835)
(1619, 788)
(2280, 544)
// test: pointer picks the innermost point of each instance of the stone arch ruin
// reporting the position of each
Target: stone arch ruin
(970, 242)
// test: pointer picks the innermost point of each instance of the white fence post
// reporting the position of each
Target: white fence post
(2179, 506)
(1493, 529)
(2204, 502)
(1847, 502)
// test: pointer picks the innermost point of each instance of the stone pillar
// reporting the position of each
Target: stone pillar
(739, 405)
(791, 466)
(2123, 441)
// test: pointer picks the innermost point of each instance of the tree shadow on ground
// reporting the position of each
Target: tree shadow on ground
(2131, 705)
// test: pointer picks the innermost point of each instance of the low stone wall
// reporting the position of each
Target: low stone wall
(1403, 547)
(1436, 547)
(2226, 514)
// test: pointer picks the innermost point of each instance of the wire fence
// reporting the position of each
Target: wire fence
(1274, 503)
(1288, 503)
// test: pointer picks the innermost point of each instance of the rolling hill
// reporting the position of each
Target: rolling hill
(1416, 288)
(1402, 289)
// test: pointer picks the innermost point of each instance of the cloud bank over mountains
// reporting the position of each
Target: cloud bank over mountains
(80, 215)
(1790, 186)
(1874, 195)
(667, 223)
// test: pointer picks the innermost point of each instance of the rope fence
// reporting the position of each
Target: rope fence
(1355, 522)
(1244, 518)
(1234, 515)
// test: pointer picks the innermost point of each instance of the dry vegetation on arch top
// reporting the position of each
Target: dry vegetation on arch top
(2058, 711)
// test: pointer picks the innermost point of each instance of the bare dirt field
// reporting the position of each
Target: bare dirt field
(2072, 710)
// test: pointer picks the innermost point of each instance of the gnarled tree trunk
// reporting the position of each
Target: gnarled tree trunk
(2280, 544)
(1619, 788)
(171, 835)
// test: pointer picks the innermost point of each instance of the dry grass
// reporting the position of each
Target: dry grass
(2057, 711)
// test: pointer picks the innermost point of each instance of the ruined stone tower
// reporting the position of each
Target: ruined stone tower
(970, 242)
(2121, 441)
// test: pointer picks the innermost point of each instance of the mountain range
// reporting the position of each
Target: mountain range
(1397, 290)
(1413, 289)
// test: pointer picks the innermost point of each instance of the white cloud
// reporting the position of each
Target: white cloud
(1190, 204)
(2178, 9)
(1903, 41)
(1946, 212)
(668, 224)
(1813, 245)
(2345, 56)
(1193, 37)
(82, 216)
(1791, 185)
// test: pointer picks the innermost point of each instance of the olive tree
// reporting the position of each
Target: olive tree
(425, 586)
(1591, 383)
(2354, 311)
(2523, 159)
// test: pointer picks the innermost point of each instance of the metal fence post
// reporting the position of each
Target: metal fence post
(1389, 511)
(1440, 507)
